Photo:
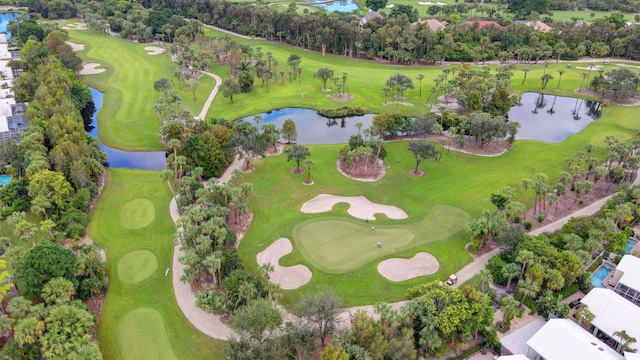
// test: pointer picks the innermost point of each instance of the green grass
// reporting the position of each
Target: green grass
(586, 15)
(338, 246)
(140, 316)
(127, 120)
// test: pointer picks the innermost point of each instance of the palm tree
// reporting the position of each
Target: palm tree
(485, 278)
(58, 291)
(545, 80)
(266, 269)
(524, 257)
(528, 289)
(510, 271)
(28, 330)
(584, 317)
(308, 164)
(560, 72)
(359, 126)
(625, 341)
(591, 66)
(258, 118)
(420, 77)
(509, 307)
(555, 280)
(174, 144)
(526, 185)
(525, 71)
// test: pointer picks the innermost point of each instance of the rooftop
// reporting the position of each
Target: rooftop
(613, 313)
(630, 266)
(562, 339)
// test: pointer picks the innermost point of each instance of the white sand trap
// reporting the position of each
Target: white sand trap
(359, 206)
(389, 6)
(154, 50)
(594, 68)
(397, 269)
(431, 3)
(75, 26)
(91, 68)
(289, 277)
(74, 46)
(627, 65)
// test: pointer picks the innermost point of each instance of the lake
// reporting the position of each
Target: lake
(335, 6)
(552, 118)
(150, 160)
(313, 128)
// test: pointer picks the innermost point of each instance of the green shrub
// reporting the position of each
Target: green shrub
(528, 225)
(494, 266)
(517, 219)
(341, 112)
(569, 290)
(540, 218)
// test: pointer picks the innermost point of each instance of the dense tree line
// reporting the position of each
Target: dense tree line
(58, 167)
(392, 38)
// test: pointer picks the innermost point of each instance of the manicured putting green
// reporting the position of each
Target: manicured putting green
(337, 246)
(142, 335)
(599, 139)
(137, 266)
(137, 214)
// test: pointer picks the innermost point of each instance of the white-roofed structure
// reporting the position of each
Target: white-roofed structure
(513, 357)
(562, 339)
(626, 279)
(631, 356)
(613, 313)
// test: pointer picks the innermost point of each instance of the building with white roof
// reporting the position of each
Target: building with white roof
(613, 313)
(513, 357)
(626, 279)
(563, 339)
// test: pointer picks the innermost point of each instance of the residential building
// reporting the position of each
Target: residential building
(613, 314)
(626, 279)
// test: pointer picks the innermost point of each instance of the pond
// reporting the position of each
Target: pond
(335, 6)
(4, 21)
(313, 128)
(552, 118)
(151, 160)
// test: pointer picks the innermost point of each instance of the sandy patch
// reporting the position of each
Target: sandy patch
(359, 206)
(289, 277)
(389, 6)
(431, 3)
(90, 68)
(596, 67)
(407, 104)
(154, 50)
(74, 46)
(627, 65)
(75, 26)
(397, 269)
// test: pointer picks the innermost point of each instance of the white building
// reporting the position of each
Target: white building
(563, 339)
(612, 314)
(626, 279)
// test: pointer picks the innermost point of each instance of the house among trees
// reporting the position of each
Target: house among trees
(12, 115)
(626, 279)
(433, 24)
(484, 23)
(613, 314)
(536, 25)
(368, 17)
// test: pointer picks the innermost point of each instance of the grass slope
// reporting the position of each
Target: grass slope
(127, 120)
(140, 317)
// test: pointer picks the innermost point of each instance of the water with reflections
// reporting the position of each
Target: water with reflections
(336, 6)
(552, 118)
(149, 160)
(313, 128)
(4, 21)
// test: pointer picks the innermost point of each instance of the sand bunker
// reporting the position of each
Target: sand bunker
(75, 26)
(90, 68)
(359, 206)
(74, 46)
(289, 277)
(397, 269)
(431, 3)
(154, 50)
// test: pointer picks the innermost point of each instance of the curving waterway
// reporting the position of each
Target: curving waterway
(147, 160)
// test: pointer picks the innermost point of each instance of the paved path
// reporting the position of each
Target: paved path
(214, 92)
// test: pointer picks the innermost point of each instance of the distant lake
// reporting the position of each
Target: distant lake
(313, 128)
(4, 21)
(552, 118)
(336, 6)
